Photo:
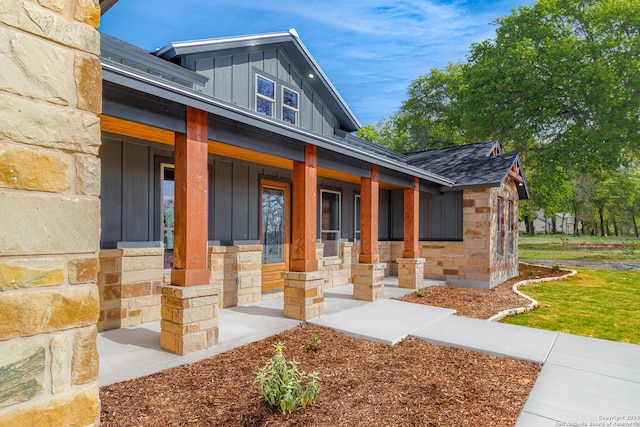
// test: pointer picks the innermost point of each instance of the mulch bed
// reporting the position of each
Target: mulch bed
(482, 303)
(412, 383)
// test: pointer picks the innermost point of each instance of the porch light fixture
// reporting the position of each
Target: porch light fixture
(311, 75)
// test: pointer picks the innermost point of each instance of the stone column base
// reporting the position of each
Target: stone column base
(303, 294)
(368, 281)
(411, 273)
(189, 318)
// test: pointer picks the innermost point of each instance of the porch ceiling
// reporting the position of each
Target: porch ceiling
(162, 136)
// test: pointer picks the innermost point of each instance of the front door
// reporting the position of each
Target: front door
(274, 234)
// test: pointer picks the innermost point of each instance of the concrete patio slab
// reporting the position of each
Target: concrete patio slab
(134, 352)
(385, 321)
(575, 397)
(611, 358)
(489, 337)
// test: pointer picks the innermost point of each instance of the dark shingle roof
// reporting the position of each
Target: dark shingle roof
(469, 165)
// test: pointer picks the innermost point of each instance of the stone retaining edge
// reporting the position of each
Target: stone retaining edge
(533, 304)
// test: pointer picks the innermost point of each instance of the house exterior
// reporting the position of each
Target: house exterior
(289, 196)
(209, 174)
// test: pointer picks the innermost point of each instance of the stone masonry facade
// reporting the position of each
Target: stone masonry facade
(50, 101)
(475, 262)
(129, 284)
(130, 279)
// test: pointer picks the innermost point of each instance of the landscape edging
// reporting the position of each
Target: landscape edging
(533, 304)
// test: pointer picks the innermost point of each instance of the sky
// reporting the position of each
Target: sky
(371, 50)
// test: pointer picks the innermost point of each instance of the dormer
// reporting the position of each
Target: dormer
(272, 74)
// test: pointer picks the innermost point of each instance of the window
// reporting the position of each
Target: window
(330, 228)
(357, 218)
(511, 234)
(167, 219)
(289, 106)
(499, 228)
(265, 96)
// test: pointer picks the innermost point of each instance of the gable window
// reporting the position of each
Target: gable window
(511, 233)
(330, 225)
(289, 106)
(265, 96)
(499, 228)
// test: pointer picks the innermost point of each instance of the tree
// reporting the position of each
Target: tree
(562, 77)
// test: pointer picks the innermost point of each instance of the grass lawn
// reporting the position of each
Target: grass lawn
(565, 248)
(594, 303)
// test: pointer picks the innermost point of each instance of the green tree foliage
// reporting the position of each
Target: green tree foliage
(560, 84)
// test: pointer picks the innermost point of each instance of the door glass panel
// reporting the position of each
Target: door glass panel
(273, 225)
(167, 219)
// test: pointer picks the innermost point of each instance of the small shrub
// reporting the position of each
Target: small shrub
(313, 344)
(555, 268)
(281, 387)
(421, 293)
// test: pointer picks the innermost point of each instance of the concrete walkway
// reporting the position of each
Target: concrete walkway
(583, 380)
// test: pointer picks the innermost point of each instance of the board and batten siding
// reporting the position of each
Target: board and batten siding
(232, 78)
(131, 193)
(441, 216)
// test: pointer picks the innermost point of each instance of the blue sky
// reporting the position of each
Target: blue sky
(370, 49)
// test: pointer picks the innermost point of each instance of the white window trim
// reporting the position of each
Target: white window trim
(288, 107)
(339, 230)
(266, 98)
(356, 230)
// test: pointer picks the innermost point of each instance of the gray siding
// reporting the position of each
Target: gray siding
(396, 215)
(384, 218)
(131, 193)
(441, 216)
(232, 76)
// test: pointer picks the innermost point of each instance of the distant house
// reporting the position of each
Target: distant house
(565, 223)
(248, 136)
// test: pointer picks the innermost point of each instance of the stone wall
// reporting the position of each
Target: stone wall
(129, 284)
(238, 271)
(474, 262)
(50, 98)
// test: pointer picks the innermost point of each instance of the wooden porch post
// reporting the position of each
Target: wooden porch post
(191, 186)
(369, 218)
(189, 305)
(303, 253)
(368, 274)
(411, 266)
(303, 285)
(412, 220)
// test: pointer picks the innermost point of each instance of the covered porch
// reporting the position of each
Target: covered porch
(132, 352)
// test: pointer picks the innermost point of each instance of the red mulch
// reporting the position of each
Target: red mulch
(482, 303)
(412, 383)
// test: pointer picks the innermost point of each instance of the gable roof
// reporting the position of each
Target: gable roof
(295, 50)
(474, 165)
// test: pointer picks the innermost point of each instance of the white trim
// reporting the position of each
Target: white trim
(288, 107)
(264, 97)
(337, 231)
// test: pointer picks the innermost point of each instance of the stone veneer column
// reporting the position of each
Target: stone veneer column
(411, 266)
(411, 273)
(129, 283)
(190, 305)
(368, 274)
(50, 99)
(303, 286)
(189, 318)
(368, 281)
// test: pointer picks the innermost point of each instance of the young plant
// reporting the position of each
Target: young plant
(421, 293)
(282, 388)
(312, 345)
